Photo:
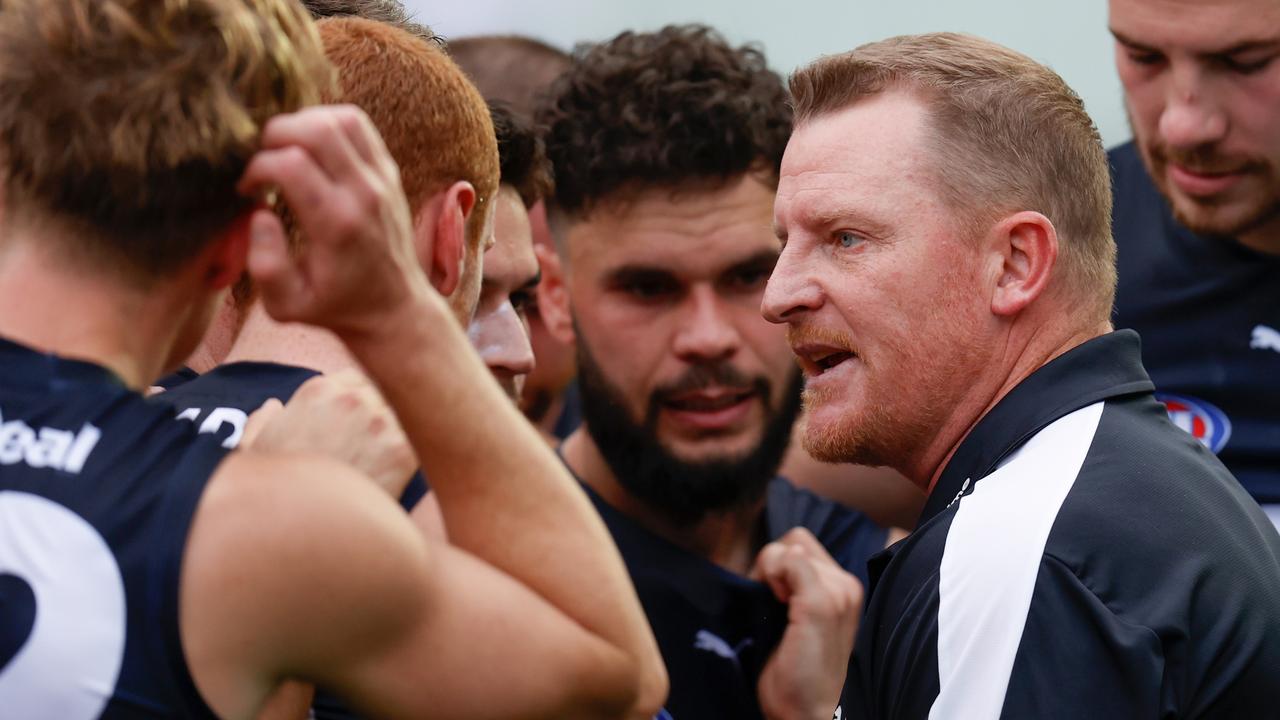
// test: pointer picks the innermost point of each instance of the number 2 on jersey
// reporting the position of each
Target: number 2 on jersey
(62, 612)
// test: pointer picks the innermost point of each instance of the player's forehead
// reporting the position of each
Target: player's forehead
(1195, 26)
(511, 263)
(682, 232)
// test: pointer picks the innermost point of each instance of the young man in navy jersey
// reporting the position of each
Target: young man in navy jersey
(665, 150)
(515, 70)
(1197, 221)
(499, 331)
(151, 573)
(946, 281)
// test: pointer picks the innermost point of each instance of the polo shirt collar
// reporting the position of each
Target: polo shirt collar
(1105, 367)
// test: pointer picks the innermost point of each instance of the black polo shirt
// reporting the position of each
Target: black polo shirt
(1080, 557)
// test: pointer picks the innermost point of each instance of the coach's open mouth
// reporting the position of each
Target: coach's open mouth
(818, 359)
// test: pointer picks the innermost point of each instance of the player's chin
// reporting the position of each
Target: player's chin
(714, 447)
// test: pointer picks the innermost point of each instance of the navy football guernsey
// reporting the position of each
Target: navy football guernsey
(1208, 311)
(716, 629)
(1079, 557)
(97, 492)
(220, 402)
(178, 377)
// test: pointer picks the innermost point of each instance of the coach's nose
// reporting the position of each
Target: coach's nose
(792, 289)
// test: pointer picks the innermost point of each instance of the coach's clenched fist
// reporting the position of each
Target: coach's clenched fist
(806, 673)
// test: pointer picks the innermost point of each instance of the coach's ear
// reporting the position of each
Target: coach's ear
(1023, 248)
(227, 256)
(453, 207)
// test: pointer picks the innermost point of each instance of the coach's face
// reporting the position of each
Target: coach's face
(665, 294)
(1202, 86)
(877, 283)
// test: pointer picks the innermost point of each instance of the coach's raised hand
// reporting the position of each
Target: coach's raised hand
(342, 187)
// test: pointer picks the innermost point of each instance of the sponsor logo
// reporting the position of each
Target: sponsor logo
(963, 488)
(1265, 338)
(709, 641)
(1205, 422)
(46, 447)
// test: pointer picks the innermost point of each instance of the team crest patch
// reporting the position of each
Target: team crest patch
(1205, 422)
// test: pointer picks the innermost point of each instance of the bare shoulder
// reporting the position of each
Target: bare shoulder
(290, 558)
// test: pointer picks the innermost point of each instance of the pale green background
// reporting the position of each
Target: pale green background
(1068, 35)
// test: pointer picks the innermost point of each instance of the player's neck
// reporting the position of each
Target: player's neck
(51, 305)
(262, 339)
(729, 539)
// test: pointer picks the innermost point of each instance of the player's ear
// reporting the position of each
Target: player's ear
(228, 253)
(457, 203)
(553, 295)
(1023, 248)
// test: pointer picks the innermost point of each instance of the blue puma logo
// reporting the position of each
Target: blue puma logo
(709, 641)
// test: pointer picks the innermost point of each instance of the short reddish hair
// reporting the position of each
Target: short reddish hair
(433, 120)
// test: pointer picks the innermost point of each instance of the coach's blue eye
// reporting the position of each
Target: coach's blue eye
(848, 239)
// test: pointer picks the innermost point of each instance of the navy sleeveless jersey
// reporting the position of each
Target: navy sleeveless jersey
(716, 629)
(220, 402)
(178, 377)
(1208, 311)
(98, 488)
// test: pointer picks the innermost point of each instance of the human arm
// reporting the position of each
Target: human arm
(301, 568)
(504, 495)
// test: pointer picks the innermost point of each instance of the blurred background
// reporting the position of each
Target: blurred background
(1070, 37)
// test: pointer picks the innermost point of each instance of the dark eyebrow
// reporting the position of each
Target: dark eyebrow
(765, 259)
(626, 274)
(1129, 42)
(1240, 47)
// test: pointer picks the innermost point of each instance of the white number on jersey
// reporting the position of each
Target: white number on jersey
(67, 667)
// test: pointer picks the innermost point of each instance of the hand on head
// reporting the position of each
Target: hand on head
(343, 188)
(339, 416)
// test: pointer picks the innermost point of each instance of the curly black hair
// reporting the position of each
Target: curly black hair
(521, 155)
(665, 109)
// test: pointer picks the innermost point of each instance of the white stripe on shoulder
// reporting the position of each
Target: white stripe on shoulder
(990, 562)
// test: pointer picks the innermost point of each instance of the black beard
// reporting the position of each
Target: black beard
(683, 492)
